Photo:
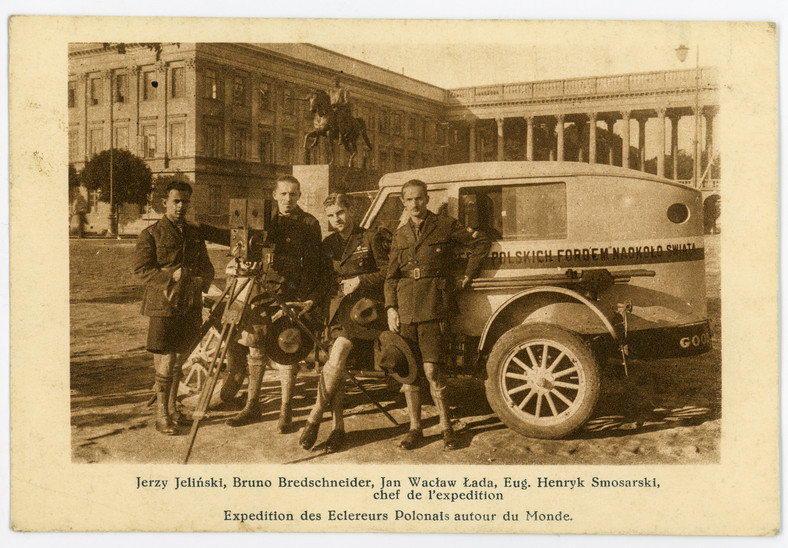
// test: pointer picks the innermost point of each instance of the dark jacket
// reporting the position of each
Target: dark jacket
(297, 257)
(418, 278)
(364, 254)
(162, 249)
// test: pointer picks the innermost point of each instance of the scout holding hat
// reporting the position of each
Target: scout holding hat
(357, 260)
(418, 291)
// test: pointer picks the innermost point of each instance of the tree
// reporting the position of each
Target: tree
(131, 177)
(73, 177)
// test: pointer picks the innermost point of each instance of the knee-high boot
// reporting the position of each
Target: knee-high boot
(178, 419)
(163, 422)
(236, 371)
(251, 412)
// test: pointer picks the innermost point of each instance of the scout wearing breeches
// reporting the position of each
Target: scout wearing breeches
(356, 264)
(419, 294)
(296, 267)
(172, 261)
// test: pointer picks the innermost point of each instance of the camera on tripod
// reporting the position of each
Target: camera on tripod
(249, 222)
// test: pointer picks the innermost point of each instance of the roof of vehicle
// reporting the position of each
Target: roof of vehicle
(509, 170)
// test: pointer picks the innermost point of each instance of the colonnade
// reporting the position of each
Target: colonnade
(554, 127)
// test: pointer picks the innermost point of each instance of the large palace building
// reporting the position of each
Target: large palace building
(230, 118)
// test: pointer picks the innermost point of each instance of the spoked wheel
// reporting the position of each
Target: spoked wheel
(542, 381)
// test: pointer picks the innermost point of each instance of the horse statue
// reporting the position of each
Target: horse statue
(327, 124)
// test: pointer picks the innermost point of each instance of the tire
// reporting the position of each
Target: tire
(562, 391)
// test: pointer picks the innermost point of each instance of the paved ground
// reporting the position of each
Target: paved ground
(666, 411)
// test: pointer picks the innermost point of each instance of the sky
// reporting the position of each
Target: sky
(542, 51)
(536, 51)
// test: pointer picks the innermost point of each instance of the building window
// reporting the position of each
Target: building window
(289, 105)
(213, 140)
(149, 142)
(177, 82)
(264, 92)
(95, 91)
(73, 145)
(397, 160)
(72, 94)
(215, 199)
(425, 160)
(266, 147)
(288, 149)
(411, 127)
(396, 124)
(239, 90)
(149, 85)
(93, 200)
(121, 137)
(412, 160)
(384, 161)
(96, 141)
(211, 84)
(177, 139)
(384, 122)
(240, 136)
(121, 88)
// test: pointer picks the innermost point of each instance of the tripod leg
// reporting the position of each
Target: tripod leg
(205, 397)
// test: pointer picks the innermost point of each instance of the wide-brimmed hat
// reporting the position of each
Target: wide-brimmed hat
(397, 358)
(361, 316)
(286, 342)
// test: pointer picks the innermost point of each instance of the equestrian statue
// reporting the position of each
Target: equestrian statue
(334, 121)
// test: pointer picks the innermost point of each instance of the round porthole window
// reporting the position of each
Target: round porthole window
(678, 213)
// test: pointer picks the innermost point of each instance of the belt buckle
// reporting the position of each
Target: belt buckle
(416, 273)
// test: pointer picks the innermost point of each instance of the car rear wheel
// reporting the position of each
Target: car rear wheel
(542, 380)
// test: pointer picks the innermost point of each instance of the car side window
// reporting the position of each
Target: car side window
(516, 212)
(392, 213)
(389, 213)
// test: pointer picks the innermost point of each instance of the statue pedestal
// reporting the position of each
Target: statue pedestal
(318, 181)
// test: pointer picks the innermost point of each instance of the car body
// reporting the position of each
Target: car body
(589, 262)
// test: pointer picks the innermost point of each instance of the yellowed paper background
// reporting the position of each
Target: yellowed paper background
(738, 496)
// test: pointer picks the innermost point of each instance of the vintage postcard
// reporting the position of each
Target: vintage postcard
(393, 276)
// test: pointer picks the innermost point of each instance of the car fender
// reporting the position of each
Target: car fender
(515, 309)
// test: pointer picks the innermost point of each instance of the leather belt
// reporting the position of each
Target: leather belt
(421, 272)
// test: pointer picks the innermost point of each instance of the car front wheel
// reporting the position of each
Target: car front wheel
(542, 380)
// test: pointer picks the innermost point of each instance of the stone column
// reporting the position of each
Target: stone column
(642, 143)
(529, 138)
(592, 138)
(227, 119)
(708, 114)
(610, 135)
(499, 120)
(625, 139)
(84, 80)
(254, 131)
(164, 89)
(661, 142)
(560, 138)
(472, 140)
(674, 144)
(134, 92)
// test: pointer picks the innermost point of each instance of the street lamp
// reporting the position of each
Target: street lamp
(681, 54)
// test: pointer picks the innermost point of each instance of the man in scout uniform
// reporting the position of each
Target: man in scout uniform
(296, 265)
(418, 292)
(172, 261)
(356, 264)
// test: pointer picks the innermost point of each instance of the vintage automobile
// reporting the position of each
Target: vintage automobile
(589, 263)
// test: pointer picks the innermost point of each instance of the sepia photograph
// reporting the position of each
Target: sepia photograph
(569, 298)
(433, 275)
